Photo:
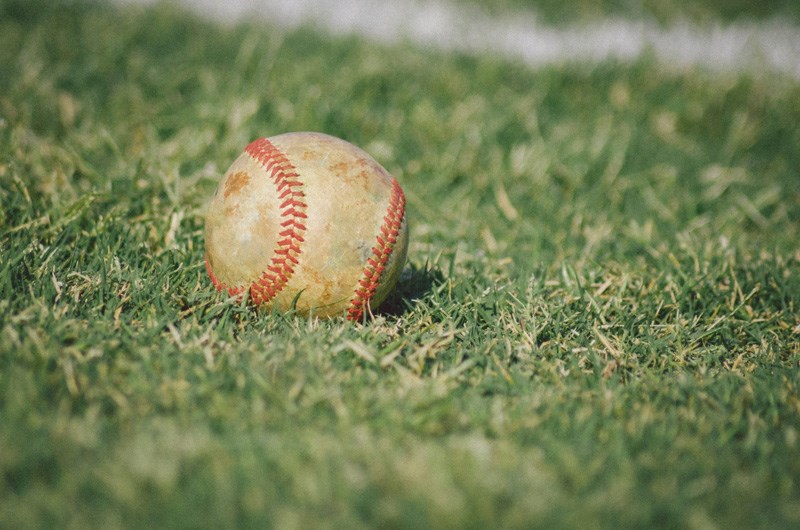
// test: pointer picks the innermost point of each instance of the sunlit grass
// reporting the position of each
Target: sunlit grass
(598, 323)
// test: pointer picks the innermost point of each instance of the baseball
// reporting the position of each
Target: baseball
(310, 220)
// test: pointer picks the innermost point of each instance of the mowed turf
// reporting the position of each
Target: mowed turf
(597, 326)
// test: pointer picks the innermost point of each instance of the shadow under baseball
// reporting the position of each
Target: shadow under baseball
(414, 284)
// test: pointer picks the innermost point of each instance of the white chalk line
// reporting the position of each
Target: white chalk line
(736, 47)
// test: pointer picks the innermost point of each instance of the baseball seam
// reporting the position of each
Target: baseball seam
(233, 291)
(292, 221)
(385, 242)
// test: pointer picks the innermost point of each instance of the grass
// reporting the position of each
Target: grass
(598, 324)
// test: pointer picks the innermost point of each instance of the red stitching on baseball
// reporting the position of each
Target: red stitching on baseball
(233, 291)
(293, 207)
(284, 259)
(371, 276)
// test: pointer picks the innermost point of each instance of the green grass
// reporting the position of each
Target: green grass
(598, 324)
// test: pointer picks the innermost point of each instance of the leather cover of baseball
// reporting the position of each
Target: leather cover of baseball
(309, 219)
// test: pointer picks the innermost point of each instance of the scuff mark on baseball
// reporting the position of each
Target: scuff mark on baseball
(306, 213)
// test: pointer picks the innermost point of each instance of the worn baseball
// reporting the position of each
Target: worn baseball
(309, 221)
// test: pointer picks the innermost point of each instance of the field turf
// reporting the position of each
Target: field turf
(598, 324)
